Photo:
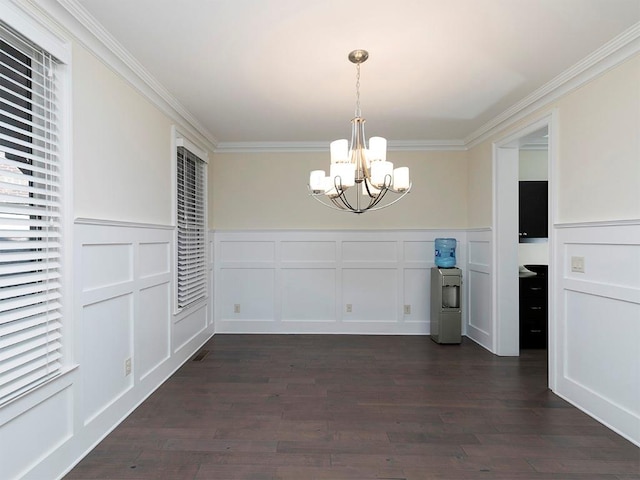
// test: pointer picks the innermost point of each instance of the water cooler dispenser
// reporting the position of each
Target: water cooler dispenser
(446, 314)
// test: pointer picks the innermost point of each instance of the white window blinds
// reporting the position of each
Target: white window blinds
(30, 219)
(192, 268)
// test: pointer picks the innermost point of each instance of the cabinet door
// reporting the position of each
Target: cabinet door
(533, 209)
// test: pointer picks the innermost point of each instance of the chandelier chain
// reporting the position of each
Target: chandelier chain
(358, 111)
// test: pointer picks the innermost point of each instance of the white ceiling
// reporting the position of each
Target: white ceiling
(277, 70)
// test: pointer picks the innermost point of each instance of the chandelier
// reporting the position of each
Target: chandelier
(361, 170)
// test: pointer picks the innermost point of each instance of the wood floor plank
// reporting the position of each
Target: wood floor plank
(268, 407)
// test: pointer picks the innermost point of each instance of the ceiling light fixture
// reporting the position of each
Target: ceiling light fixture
(366, 169)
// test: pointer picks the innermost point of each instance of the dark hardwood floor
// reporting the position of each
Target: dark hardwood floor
(358, 407)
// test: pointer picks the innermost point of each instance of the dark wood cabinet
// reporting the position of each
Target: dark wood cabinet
(533, 210)
(533, 308)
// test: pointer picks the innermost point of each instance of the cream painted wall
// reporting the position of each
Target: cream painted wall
(599, 156)
(533, 165)
(480, 174)
(121, 148)
(269, 191)
(597, 173)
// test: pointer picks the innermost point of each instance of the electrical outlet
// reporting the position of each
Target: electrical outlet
(577, 264)
(127, 367)
(407, 309)
(349, 308)
(236, 308)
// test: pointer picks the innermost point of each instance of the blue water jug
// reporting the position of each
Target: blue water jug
(446, 252)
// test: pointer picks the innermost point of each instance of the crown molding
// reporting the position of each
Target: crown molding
(307, 147)
(535, 146)
(270, 147)
(610, 55)
(426, 145)
(70, 17)
(82, 27)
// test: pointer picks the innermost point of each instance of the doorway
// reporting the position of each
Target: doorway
(507, 255)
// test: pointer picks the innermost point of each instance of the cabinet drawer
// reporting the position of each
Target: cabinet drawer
(533, 333)
(533, 287)
(534, 338)
(533, 310)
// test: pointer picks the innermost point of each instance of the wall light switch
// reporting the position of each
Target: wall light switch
(236, 308)
(349, 308)
(577, 264)
(127, 367)
(407, 309)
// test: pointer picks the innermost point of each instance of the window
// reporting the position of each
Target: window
(30, 217)
(192, 268)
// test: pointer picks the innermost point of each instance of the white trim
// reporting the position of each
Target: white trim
(603, 223)
(503, 260)
(610, 406)
(426, 145)
(118, 223)
(28, 24)
(86, 30)
(281, 147)
(80, 25)
(25, 19)
(611, 54)
(181, 141)
(268, 270)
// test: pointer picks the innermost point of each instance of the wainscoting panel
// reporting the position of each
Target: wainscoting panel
(105, 265)
(416, 294)
(28, 429)
(247, 251)
(311, 251)
(249, 293)
(308, 294)
(107, 343)
(480, 321)
(592, 321)
(211, 252)
(369, 251)
(598, 323)
(325, 281)
(121, 309)
(188, 326)
(154, 259)
(372, 295)
(421, 253)
(480, 325)
(151, 331)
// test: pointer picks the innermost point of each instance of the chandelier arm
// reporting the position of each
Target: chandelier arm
(345, 202)
(400, 191)
(337, 183)
(390, 203)
(379, 198)
(366, 185)
(383, 191)
(339, 205)
(370, 208)
(318, 196)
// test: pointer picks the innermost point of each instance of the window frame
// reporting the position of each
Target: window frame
(179, 140)
(40, 36)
